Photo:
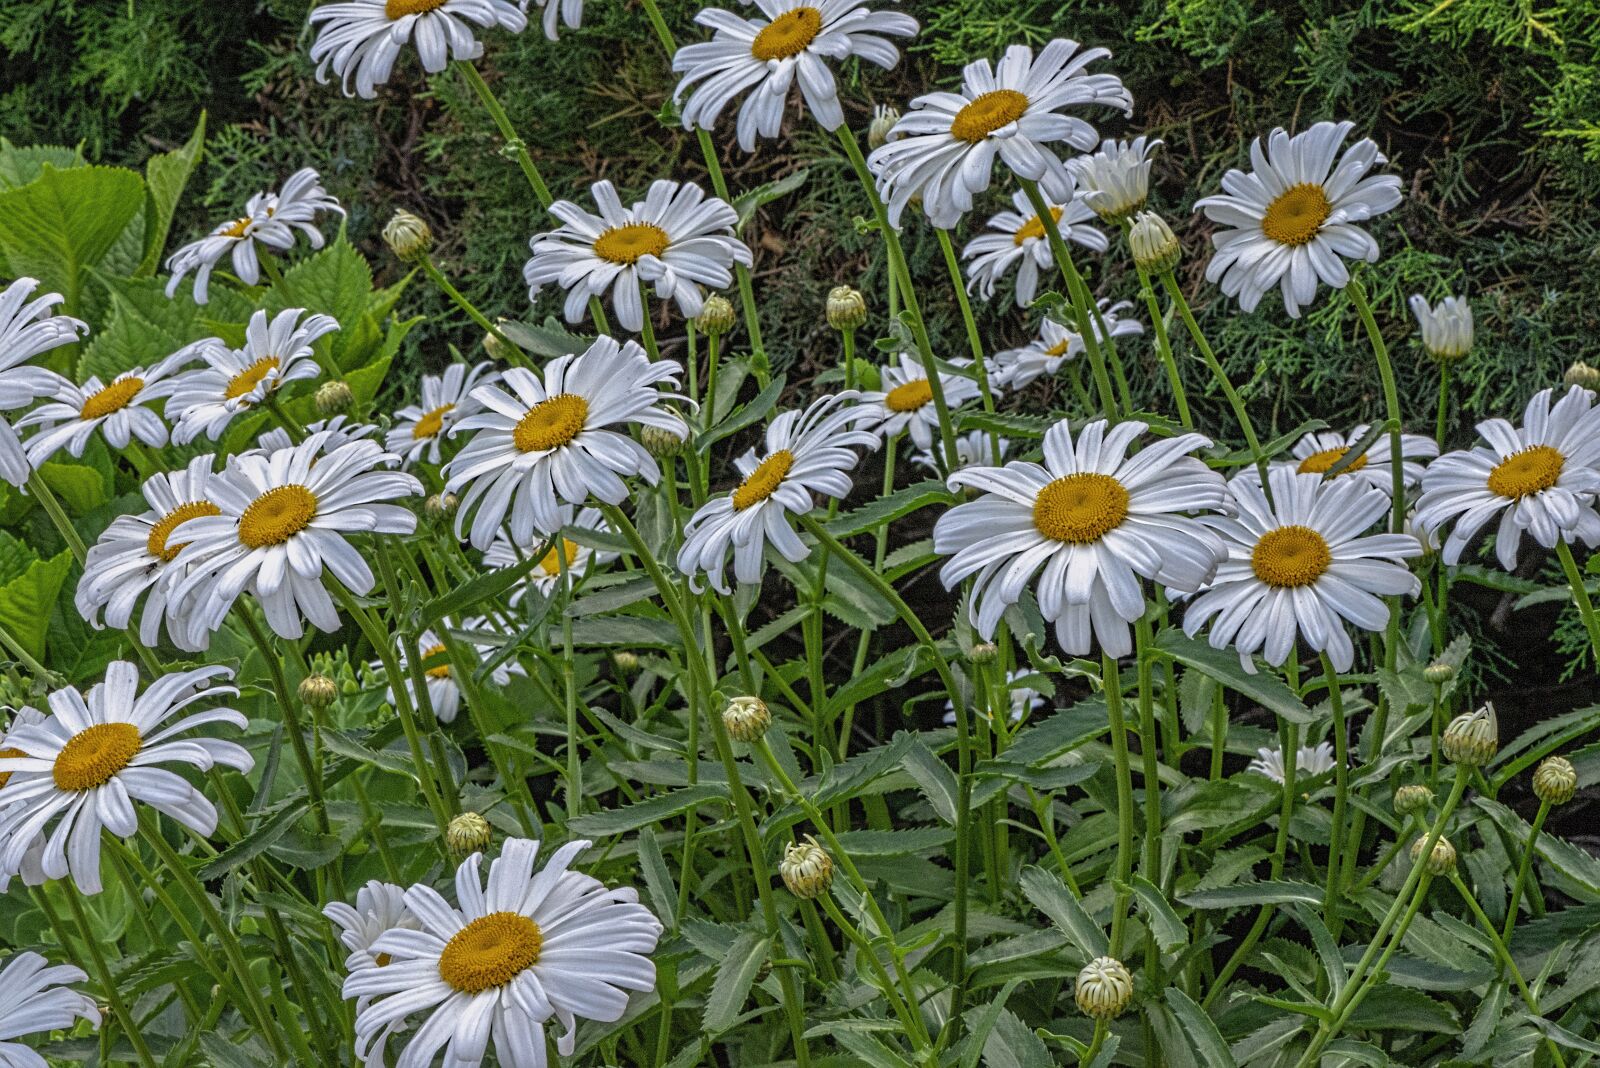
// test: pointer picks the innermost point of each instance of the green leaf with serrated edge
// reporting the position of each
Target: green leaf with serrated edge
(80, 488)
(849, 777)
(901, 841)
(546, 340)
(1051, 897)
(1358, 449)
(746, 415)
(1269, 449)
(897, 505)
(937, 781)
(1393, 1008)
(1327, 947)
(872, 1052)
(748, 203)
(1582, 869)
(1265, 689)
(655, 809)
(658, 881)
(1066, 730)
(629, 631)
(1356, 1052)
(21, 164)
(336, 280)
(1562, 1037)
(486, 587)
(1006, 424)
(1169, 931)
(1201, 1029)
(1493, 579)
(26, 602)
(59, 226)
(165, 176)
(1302, 1008)
(736, 973)
(1268, 892)
(1012, 1044)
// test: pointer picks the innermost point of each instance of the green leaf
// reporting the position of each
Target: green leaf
(546, 340)
(335, 281)
(736, 973)
(1201, 1029)
(1265, 689)
(1562, 1037)
(739, 418)
(1169, 931)
(1270, 892)
(884, 510)
(1567, 859)
(1393, 1007)
(81, 488)
(62, 223)
(145, 325)
(486, 587)
(27, 600)
(1051, 897)
(900, 842)
(747, 204)
(655, 809)
(937, 781)
(164, 178)
(21, 164)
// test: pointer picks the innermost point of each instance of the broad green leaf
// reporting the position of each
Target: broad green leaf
(1272, 892)
(897, 505)
(545, 340)
(165, 176)
(21, 164)
(1265, 689)
(1201, 1029)
(81, 488)
(1581, 870)
(62, 223)
(736, 973)
(335, 281)
(937, 781)
(655, 809)
(146, 326)
(1012, 1044)
(1051, 897)
(27, 600)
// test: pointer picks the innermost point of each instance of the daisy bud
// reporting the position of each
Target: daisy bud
(1413, 797)
(1472, 738)
(408, 236)
(716, 316)
(318, 691)
(1446, 327)
(747, 719)
(847, 308)
(1438, 673)
(497, 348)
(1581, 374)
(883, 119)
(807, 869)
(1556, 781)
(660, 442)
(985, 653)
(441, 506)
(1442, 861)
(1154, 246)
(334, 397)
(467, 834)
(1104, 988)
(626, 660)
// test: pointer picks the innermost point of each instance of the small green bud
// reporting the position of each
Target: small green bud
(318, 691)
(626, 660)
(847, 308)
(1413, 797)
(1438, 673)
(1154, 246)
(441, 506)
(1472, 738)
(1555, 781)
(408, 236)
(807, 869)
(985, 653)
(467, 834)
(1581, 374)
(747, 719)
(334, 397)
(716, 316)
(660, 442)
(1104, 988)
(884, 117)
(1442, 861)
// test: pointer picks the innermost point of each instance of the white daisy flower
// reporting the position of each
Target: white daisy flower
(792, 42)
(270, 221)
(27, 329)
(1017, 239)
(1301, 568)
(116, 409)
(676, 238)
(511, 956)
(1308, 760)
(906, 400)
(560, 437)
(1446, 327)
(1023, 699)
(1318, 451)
(341, 430)
(1293, 216)
(444, 692)
(944, 147)
(361, 39)
(136, 554)
(565, 554)
(35, 1000)
(380, 907)
(98, 753)
(807, 452)
(973, 449)
(1115, 181)
(1056, 344)
(419, 429)
(283, 521)
(206, 399)
(1541, 478)
(1095, 519)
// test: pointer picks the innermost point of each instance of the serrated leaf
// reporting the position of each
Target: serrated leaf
(1169, 931)
(21, 164)
(937, 781)
(336, 281)
(899, 842)
(1267, 892)
(62, 223)
(165, 176)
(653, 810)
(546, 340)
(897, 505)
(736, 973)
(1012, 1044)
(27, 600)
(1201, 1030)
(748, 203)
(1051, 897)
(1265, 689)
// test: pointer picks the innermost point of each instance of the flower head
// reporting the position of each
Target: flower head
(35, 1000)
(1472, 738)
(419, 429)
(1317, 452)
(27, 329)
(408, 236)
(976, 448)
(1153, 245)
(1056, 345)
(1104, 988)
(564, 554)
(1446, 326)
(1018, 239)
(1441, 861)
(276, 352)
(116, 409)
(806, 868)
(1115, 181)
(443, 688)
(360, 40)
(905, 403)
(1308, 760)
(746, 718)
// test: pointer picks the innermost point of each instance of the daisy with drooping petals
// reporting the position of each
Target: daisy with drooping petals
(361, 39)
(136, 553)
(1302, 567)
(270, 220)
(906, 400)
(340, 430)
(1308, 760)
(973, 449)
(1293, 216)
(419, 429)
(379, 907)
(1318, 451)
(1056, 345)
(281, 525)
(676, 239)
(945, 146)
(275, 353)
(1446, 327)
(807, 452)
(35, 1000)
(1541, 478)
(27, 329)
(117, 410)
(792, 42)
(1115, 181)
(444, 692)
(564, 554)
(508, 958)
(562, 436)
(1018, 239)
(1095, 520)
(99, 752)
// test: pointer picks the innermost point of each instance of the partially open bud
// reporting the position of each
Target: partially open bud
(318, 691)
(985, 653)
(1581, 374)
(1472, 738)
(467, 834)
(1413, 797)
(408, 236)
(660, 442)
(1438, 673)
(1446, 327)
(1154, 246)
(626, 660)
(747, 719)
(806, 868)
(1104, 988)
(716, 315)
(847, 308)
(441, 506)
(1555, 781)
(1442, 861)
(883, 119)
(334, 397)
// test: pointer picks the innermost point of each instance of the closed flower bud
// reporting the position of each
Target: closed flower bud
(467, 834)
(1154, 246)
(883, 119)
(847, 308)
(660, 442)
(1555, 781)
(1438, 673)
(807, 869)
(747, 719)
(627, 661)
(1442, 861)
(408, 236)
(1472, 738)
(318, 691)
(1413, 797)
(334, 397)
(441, 506)
(1104, 988)
(1581, 374)
(716, 315)
(985, 653)
(498, 348)
(1446, 327)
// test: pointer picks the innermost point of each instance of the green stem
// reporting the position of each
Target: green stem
(491, 104)
(1580, 593)
(974, 342)
(1523, 868)
(1158, 323)
(430, 269)
(1341, 790)
(1119, 754)
(1444, 404)
(1391, 401)
(58, 516)
(1151, 759)
(1505, 959)
(108, 985)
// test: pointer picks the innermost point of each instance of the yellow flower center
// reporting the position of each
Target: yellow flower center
(551, 423)
(988, 113)
(490, 951)
(764, 481)
(909, 396)
(113, 398)
(1297, 213)
(562, 554)
(156, 545)
(1034, 227)
(92, 756)
(787, 35)
(5, 776)
(1080, 509)
(382, 960)
(440, 672)
(1290, 556)
(250, 377)
(1318, 463)
(238, 229)
(1059, 348)
(399, 9)
(630, 243)
(276, 516)
(1529, 471)
(430, 425)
